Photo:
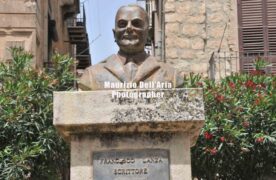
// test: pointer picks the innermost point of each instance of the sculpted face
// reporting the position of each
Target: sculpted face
(131, 29)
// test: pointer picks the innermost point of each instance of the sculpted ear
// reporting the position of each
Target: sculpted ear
(113, 30)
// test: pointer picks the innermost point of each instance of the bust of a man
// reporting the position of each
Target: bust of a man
(131, 64)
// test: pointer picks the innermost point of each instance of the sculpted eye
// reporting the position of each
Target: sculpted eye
(122, 23)
(137, 23)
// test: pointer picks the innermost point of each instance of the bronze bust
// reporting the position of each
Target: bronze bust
(131, 63)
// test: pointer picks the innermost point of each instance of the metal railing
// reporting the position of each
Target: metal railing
(222, 64)
(79, 20)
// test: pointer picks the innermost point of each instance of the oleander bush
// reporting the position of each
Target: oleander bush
(238, 140)
(30, 147)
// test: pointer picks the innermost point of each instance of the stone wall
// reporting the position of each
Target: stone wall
(27, 21)
(193, 30)
(17, 24)
(62, 45)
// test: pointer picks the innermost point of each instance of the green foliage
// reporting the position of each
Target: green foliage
(260, 63)
(30, 147)
(238, 140)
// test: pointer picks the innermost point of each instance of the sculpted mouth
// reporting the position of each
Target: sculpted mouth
(129, 37)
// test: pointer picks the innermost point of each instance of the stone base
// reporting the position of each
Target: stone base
(177, 144)
(130, 138)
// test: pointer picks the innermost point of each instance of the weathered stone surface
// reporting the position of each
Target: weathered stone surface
(201, 19)
(192, 29)
(187, 54)
(177, 110)
(16, 20)
(169, 7)
(148, 164)
(25, 6)
(196, 19)
(179, 63)
(172, 28)
(198, 44)
(184, 9)
(216, 6)
(27, 38)
(227, 7)
(173, 17)
(200, 57)
(213, 44)
(178, 42)
(216, 17)
(170, 43)
(172, 53)
(183, 42)
(197, 68)
(177, 144)
(26, 20)
(104, 123)
(198, 8)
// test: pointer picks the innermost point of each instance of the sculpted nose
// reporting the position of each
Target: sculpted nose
(129, 27)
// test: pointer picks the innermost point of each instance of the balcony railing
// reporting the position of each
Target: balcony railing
(78, 36)
(80, 20)
(224, 63)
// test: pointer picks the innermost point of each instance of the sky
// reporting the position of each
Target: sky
(100, 20)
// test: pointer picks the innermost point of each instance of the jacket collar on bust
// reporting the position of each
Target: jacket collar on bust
(115, 65)
(137, 58)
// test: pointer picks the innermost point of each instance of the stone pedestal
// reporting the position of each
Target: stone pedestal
(133, 137)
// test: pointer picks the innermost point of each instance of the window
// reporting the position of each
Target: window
(257, 31)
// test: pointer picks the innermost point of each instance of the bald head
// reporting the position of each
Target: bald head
(138, 9)
(131, 29)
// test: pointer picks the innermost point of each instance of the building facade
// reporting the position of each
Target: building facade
(40, 27)
(214, 37)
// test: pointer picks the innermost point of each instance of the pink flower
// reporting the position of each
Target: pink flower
(259, 139)
(213, 151)
(250, 84)
(245, 124)
(208, 135)
(231, 85)
(222, 139)
(257, 101)
(220, 98)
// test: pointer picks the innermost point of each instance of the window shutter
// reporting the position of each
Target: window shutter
(252, 26)
(271, 25)
(271, 22)
(257, 29)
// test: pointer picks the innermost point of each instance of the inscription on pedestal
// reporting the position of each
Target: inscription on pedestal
(146, 164)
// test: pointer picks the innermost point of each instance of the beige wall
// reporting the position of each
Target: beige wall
(27, 20)
(17, 23)
(62, 45)
(193, 30)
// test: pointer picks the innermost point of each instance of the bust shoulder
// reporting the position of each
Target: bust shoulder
(102, 63)
(162, 64)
